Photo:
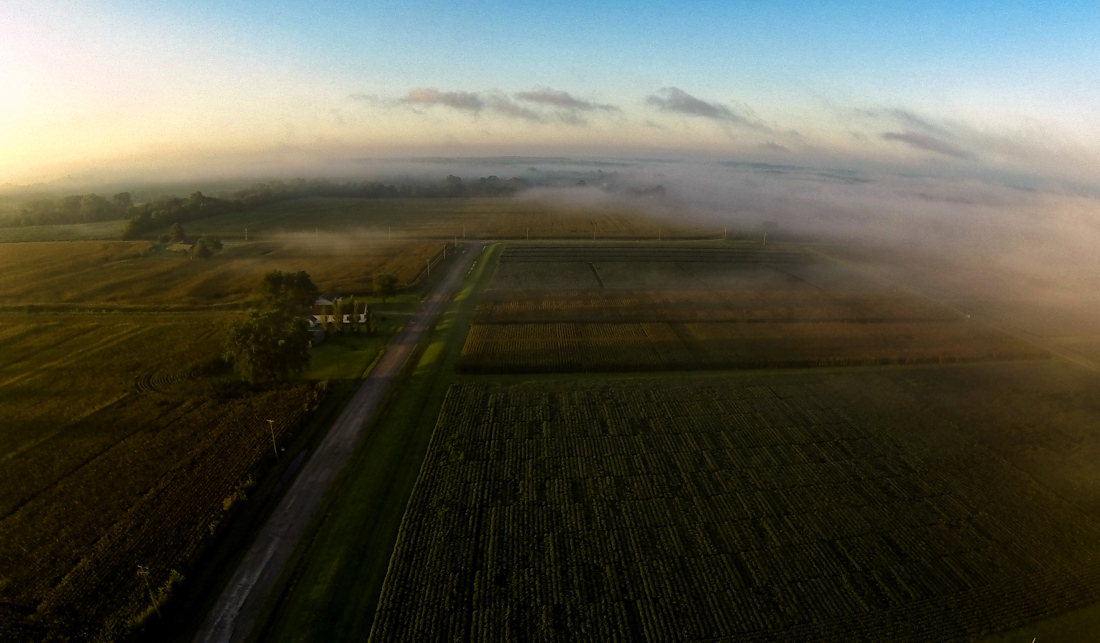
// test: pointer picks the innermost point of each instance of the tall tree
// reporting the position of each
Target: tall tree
(175, 233)
(338, 315)
(267, 345)
(293, 292)
(353, 307)
(385, 284)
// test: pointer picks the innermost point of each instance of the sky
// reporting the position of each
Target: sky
(92, 88)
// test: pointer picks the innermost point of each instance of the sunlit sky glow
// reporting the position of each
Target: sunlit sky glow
(1001, 86)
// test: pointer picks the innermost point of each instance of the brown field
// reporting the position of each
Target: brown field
(117, 452)
(134, 273)
(652, 307)
(790, 305)
(579, 347)
(445, 218)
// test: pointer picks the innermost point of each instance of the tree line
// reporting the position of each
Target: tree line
(165, 211)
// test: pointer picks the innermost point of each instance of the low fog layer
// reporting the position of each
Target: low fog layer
(984, 235)
(1004, 238)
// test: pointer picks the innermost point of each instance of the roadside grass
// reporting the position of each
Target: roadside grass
(331, 584)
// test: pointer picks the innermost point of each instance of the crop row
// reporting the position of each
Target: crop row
(713, 526)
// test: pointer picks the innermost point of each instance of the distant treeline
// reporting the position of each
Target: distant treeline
(165, 211)
(78, 208)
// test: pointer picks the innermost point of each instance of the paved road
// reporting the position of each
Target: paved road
(234, 613)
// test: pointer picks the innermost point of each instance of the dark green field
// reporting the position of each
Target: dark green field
(777, 507)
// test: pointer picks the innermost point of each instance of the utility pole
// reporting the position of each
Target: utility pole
(246, 234)
(765, 239)
(144, 573)
(271, 425)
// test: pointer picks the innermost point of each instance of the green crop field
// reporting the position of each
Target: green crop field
(780, 507)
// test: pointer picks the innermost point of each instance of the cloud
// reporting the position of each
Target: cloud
(563, 100)
(927, 143)
(562, 106)
(506, 107)
(772, 146)
(427, 97)
(672, 99)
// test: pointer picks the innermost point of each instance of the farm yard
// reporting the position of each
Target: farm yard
(770, 507)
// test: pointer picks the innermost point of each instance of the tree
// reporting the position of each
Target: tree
(139, 224)
(368, 319)
(94, 208)
(353, 308)
(294, 293)
(338, 315)
(123, 201)
(202, 249)
(267, 345)
(205, 247)
(175, 233)
(385, 284)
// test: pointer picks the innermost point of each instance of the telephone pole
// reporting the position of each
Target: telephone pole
(271, 425)
(144, 573)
